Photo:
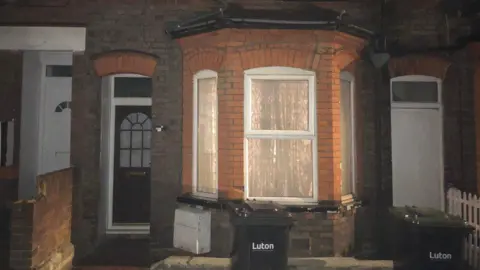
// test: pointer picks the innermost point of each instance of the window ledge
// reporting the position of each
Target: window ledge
(325, 206)
(189, 198)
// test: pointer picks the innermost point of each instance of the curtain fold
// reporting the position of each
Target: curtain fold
(280, 166)
(207, 136)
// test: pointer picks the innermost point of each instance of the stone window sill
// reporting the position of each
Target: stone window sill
(222, 203)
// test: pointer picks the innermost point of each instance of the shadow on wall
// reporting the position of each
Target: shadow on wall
(8, 194)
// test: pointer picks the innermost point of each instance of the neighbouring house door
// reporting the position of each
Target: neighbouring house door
(55, 131)
(417, 157)
(131, 184)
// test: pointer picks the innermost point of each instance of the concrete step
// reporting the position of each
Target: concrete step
(109, 268)
(205, 263)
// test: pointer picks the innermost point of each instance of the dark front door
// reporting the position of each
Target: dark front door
(131, 186)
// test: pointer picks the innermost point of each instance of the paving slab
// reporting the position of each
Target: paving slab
(330, 263)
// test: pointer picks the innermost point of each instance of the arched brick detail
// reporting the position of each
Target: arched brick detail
(418, 65)
(196, 60)
(124, 61)
(283, 57)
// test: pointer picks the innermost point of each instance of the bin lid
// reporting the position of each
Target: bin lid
(428, 217)
(261, 213)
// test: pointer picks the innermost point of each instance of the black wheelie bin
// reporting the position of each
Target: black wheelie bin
(261, 237)
(428, 239)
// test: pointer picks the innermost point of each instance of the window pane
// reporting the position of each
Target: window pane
(280, 168)
(125, 158)
(147, 125)
(207, 138)
(415, 92)
(126, 124)
(137, 139)
(132, 87)
(147, 137)
(146, 158)
(279, 105)
(136, 160)
(346, 131)
(58, 71)
(125, 139)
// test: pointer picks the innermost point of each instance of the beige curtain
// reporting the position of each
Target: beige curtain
(280, 167)
(347, 136)
(207, 136)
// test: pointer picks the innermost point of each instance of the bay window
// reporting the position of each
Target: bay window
(205, 134)
(280, 135)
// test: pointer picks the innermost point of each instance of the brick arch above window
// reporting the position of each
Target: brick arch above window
(432, 66)
(123, 62)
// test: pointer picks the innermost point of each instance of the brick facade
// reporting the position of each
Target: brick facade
(139, 27)
(230, 52)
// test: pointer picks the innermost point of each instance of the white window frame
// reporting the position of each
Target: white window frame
(203, 74)
(347, 76)
(417, 78)
(281, 73)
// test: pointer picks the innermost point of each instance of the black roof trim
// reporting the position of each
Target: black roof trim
(306, 17)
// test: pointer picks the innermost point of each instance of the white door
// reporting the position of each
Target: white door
(417, 157)
(56, 120)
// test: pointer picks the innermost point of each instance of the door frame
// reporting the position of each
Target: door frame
(412, 105)
(112, 103)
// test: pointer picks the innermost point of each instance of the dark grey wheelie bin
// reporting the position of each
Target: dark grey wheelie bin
(428, 239)
(261, 236)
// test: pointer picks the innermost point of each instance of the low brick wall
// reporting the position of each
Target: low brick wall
(322, 234)
(203, 263)
(312, 235)
(41, 228)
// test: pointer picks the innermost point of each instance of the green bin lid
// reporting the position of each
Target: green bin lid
(428, 217)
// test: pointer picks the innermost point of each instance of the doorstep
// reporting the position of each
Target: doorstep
(333, 263)
(108, 268)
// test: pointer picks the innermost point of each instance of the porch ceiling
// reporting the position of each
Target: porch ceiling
(42, 38)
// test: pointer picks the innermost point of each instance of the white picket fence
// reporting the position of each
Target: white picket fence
(467, 206)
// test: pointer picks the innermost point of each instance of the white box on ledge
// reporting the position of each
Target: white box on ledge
(192, 230)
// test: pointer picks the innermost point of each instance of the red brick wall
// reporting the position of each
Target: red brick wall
(41, 228)
(229, 52)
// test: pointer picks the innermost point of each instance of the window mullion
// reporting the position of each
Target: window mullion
(283, 136)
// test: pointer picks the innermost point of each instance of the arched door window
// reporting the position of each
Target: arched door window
(135, 138)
